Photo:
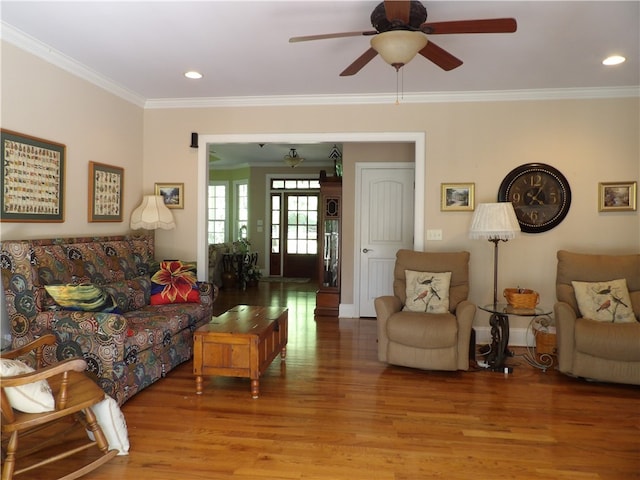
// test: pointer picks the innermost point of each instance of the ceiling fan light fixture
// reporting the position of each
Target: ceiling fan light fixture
(398, 47)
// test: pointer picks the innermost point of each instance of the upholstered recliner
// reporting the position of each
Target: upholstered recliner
(430, 341)
(597, 350)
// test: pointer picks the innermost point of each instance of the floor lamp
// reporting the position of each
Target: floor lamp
(495, 222)
(152, 214)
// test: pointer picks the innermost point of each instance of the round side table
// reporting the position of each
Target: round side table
(499, 322)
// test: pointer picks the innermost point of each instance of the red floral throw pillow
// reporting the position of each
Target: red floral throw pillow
(174, 282)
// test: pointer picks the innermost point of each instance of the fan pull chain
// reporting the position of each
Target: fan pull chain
(397, 75)
(399, 85)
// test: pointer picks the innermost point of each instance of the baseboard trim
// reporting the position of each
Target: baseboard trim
(518, 336)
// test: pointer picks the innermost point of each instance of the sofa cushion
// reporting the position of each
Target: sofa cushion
(417, 330)
(427, 291)
(617, 342)
(604, 301)
(174, 282)
(154, 325)
(33, 397)
(86, 262)
(130, 294)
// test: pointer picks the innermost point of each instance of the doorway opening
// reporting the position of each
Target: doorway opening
(416, 138)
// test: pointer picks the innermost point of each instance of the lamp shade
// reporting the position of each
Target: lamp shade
(494, 221)
(152, 214)
(398, 47)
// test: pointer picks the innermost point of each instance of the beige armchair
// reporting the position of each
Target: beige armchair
(430, 341)
(591, 349)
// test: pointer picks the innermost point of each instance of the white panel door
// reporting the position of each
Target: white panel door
(386, 225)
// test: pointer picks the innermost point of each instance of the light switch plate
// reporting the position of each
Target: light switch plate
(434, 234)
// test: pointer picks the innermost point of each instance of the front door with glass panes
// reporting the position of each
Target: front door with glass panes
(294, 228)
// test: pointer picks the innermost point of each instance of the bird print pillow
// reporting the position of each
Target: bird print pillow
(605, 301)
(427, 292)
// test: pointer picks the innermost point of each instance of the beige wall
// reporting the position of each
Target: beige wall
(589, 141)
(44, 101)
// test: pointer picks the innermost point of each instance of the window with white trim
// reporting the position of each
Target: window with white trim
(217, 214)
(241, 191)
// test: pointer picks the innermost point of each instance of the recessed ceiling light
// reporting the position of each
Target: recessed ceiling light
(613, 60)
(193, 75)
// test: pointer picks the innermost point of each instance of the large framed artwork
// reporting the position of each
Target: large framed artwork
(106, 186)
(32, 180)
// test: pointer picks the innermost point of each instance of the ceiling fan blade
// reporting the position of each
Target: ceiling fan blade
(324, 36)
(360, 62)
(397, 10)
(440, 57)
(488, 25)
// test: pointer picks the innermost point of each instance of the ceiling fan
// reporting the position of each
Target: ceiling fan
(401, 32)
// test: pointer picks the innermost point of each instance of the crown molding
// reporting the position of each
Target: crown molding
(45, 52)
(427, 97)
(48, 54)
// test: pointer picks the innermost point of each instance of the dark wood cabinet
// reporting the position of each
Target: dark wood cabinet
(329, 253)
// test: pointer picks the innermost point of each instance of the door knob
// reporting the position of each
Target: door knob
(366, 250)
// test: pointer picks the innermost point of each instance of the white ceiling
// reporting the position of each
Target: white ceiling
(234, 155)
(242, 47)
(140, 50)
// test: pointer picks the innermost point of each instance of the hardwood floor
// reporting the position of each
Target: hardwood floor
(334, 412)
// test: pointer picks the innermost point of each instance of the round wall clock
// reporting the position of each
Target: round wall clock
(540, 195)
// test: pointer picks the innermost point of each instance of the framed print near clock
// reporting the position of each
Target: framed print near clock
(457, 197)
(617, 196)
(540, 195)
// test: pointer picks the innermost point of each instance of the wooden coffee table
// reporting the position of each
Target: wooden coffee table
(241, 342)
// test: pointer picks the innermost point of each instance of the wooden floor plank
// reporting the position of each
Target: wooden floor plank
(333, 412)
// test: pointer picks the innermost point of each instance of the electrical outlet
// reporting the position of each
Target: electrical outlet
(434, 234)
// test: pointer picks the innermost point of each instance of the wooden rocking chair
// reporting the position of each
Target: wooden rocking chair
(74, 393)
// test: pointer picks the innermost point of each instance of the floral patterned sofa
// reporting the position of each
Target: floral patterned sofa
(127, 348)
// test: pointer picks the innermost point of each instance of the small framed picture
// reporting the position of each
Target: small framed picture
(457, 197)
(106, 187)
(617, 196)
(171, 193)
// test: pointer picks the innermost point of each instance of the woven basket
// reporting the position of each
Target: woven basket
(545, 342)
(521, 297)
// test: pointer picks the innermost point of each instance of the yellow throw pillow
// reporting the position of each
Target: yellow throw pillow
(605, 301)
(427, 291)
(86, 297)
